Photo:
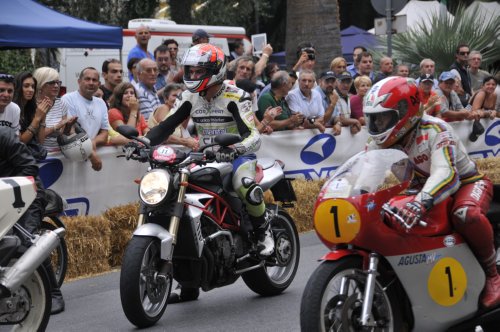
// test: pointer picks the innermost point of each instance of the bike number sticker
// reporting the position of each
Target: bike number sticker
(447, 282)
(337, 221)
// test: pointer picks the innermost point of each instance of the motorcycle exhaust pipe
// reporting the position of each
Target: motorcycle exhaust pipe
(24, 267)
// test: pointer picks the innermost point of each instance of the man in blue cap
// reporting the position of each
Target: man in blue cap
(200, 36)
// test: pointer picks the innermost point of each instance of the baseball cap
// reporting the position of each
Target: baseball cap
(345, 75)
(446, 75)
(426, 77)
(200, 33)
(327, 75)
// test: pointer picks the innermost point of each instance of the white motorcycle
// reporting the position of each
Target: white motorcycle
(25, 300)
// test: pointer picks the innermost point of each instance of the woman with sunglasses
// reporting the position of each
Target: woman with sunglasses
(56, 118)
(32, 114)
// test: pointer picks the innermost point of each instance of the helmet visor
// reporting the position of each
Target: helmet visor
(381, 122)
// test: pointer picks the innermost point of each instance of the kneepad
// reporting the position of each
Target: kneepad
(254, 194)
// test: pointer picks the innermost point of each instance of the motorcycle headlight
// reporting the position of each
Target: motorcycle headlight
(155, 187)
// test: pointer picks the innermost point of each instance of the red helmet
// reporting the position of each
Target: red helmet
(392, 109)
(206, 56)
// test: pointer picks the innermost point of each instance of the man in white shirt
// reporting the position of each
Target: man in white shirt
(307, 101)
(9, 111)
(91, 111)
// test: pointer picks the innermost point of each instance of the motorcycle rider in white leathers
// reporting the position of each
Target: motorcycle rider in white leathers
(442, 168)
(217, 108)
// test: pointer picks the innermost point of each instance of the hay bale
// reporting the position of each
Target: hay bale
(490, 167)
(88, 243)
(123, 220)
(306, 192)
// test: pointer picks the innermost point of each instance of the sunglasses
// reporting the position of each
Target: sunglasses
(54, 82)
(463, 53)
(7, 78)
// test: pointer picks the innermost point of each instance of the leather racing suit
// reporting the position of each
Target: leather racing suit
(229, 111)
(443, 168)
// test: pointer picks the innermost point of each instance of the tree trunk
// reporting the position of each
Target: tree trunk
(315, 21)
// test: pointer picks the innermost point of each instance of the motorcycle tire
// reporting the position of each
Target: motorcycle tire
(143, 296)
(274, 279)
(58, 257)
(37, 291)
(321, 312)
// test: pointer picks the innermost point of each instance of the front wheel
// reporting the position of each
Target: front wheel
(143, 289)
(325, 308)
(281, 267)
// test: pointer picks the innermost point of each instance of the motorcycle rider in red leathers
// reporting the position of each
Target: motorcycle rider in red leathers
(216, 108)
(442, 168)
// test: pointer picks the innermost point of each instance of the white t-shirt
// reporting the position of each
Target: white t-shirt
(92, 114)
(10, 117)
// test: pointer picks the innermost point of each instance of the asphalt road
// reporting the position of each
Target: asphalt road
(93, 304)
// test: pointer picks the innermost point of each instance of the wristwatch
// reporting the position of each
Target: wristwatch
(312, 120)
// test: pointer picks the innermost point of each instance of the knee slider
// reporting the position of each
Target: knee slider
(254, 195)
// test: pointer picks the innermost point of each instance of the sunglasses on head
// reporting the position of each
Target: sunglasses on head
(7, 78)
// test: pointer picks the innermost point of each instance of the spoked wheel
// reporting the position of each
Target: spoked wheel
(281, 267)
(325, 308)
(32, 302)
(59, 256)
(143, 289)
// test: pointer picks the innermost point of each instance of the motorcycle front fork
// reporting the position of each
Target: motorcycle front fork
(369, 291)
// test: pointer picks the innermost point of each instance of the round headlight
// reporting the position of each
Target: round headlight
(155, 186)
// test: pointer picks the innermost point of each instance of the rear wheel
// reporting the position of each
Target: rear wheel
(32, 302)
(325, 308)
(143, 289)
(281, 267)
(59, 256)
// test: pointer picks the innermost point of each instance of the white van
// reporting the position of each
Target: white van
(73, 60)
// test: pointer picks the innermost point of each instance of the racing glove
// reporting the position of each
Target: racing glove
(226, 155)
(412, 211)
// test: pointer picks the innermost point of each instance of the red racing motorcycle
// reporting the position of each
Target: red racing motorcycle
(384, 273)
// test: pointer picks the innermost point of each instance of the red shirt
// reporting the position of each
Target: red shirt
(115, 114)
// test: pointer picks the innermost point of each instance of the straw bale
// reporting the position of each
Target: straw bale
(490, 167)
(123, 220)
(306, 192)
(88, 243)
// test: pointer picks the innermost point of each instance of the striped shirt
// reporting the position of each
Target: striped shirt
(54, 116)
(148, 100)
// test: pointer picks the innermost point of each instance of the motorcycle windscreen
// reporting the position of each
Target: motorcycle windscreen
(368, 172)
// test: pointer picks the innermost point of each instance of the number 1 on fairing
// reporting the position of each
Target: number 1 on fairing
(334, 211)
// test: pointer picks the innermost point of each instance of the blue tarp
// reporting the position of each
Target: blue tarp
(28, 24)
(354, 36)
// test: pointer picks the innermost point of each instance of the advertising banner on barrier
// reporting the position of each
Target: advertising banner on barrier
(307, 154)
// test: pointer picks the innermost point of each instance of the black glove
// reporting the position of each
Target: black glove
(226, 155)
(131, 148)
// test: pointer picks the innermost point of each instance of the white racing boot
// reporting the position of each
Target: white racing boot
(265, 240)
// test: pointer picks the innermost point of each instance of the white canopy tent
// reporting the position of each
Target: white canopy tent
(420, 12)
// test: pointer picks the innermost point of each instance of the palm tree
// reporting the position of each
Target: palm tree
(439, 40)
(316, 22)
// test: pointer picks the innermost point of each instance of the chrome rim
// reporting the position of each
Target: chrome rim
(153, 288)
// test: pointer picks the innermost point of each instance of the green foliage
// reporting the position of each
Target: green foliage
(439, 40)
(15, 61)
(230, 12)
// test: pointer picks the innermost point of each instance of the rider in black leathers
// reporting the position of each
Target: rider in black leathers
(16, 160)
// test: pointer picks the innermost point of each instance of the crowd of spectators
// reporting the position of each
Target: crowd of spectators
(30, 103)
